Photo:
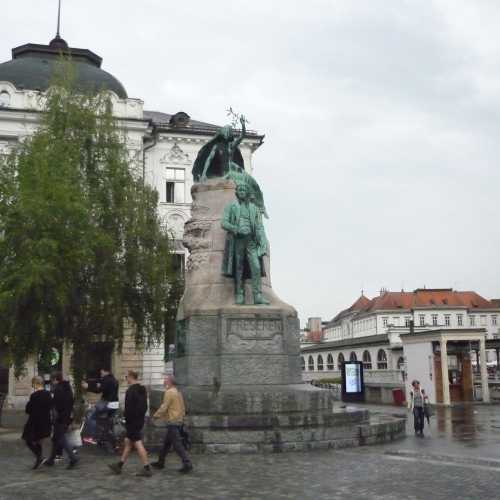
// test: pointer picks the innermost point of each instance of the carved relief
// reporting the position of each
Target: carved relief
(197, 260)
(254, 335)
(196, 235)
(175, 155)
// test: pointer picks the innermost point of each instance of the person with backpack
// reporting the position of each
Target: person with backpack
(136, 406)
(39, 424)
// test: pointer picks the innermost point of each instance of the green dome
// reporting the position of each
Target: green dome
(32, 67)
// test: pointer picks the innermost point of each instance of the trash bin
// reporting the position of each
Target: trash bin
(398, 397)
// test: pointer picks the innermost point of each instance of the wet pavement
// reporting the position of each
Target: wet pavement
(472, 431)
(459, 457)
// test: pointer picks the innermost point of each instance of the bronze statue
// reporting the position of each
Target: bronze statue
(221, 157)
(246, 245)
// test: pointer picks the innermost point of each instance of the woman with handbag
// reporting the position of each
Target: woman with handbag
(39, 425)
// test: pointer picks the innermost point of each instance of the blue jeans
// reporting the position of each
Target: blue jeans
(418, 419)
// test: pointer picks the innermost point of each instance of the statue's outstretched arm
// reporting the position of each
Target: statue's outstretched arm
(238, 140)
(208, 161)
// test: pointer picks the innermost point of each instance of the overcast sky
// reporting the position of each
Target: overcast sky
(380, 166)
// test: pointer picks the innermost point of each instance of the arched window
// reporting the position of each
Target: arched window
(320, 363)
(401, 363)
(340, 361)
(353, 356)
(329, 362)
(382, 360)
(367, 360)
(303, 363)
(310, 363)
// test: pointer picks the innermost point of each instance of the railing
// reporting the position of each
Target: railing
(370, 376)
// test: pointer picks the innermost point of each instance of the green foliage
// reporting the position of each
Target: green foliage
(81, 246)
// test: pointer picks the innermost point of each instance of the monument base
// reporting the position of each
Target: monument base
(239, 366)
(261, 419)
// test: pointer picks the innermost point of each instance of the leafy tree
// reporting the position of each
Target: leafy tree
(82, 250)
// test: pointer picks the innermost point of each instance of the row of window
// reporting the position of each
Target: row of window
(483, 320)
(330, 365)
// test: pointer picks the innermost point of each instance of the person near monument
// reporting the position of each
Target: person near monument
(104, 409)
(39, 424)
(63, 407)
(172, 411)
(136, 406)
(416, 405)
(246, 244)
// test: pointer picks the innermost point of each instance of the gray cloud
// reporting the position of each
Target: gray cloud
(380, 166)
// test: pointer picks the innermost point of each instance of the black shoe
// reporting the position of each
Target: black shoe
(49, 462)
(38, 462)
(116, 468)
(72, 463)
(186, 469)
(158, 465)
(144, 472)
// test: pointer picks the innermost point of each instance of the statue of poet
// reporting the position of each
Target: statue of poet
(246, 244)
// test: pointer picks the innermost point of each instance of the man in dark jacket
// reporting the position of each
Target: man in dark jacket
(105, 409)
(38, 426)
(136, 406)
(63, 409)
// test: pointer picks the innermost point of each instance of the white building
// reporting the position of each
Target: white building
(162, 146)
(370, 331)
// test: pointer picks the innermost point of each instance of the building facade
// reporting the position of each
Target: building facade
(371, 331)
(162, 148)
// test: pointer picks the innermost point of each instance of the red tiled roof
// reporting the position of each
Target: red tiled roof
(445, 297)
(421, 297)
(362, 303)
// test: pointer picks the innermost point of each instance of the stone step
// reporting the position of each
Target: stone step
(271, 421)
(351, 433)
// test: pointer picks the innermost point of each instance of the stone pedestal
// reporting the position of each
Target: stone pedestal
(239, 366)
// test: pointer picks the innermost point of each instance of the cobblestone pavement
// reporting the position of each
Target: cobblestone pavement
(443, 466)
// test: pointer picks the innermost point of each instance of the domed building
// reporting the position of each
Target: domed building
(162, 145)
(32, 67)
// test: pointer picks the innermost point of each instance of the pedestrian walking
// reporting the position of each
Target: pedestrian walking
(172, 411)
(136, 406)
(39, 425)
(63, 409)
(416, 405)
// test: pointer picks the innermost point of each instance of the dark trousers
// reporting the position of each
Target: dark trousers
(173, 440)
(59, 441)
(35, 447)
(418, 419)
